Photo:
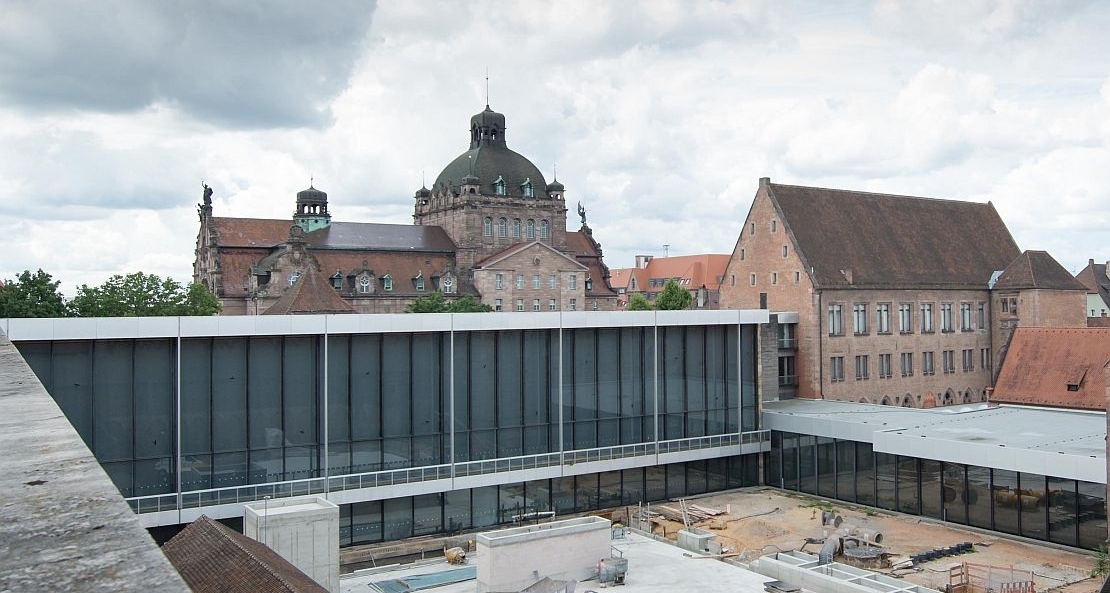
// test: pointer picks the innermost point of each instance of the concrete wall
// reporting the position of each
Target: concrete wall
(304, 531)
(512, 559)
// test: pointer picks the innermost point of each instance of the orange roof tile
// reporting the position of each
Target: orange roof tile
(1059, 367)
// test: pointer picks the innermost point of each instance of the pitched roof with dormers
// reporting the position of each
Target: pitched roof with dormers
(1036, 270)
(690, 271)
(887, 241)
(311, 293)
(588, 253)
(212, 558)
(402, 251)
(1058, 367)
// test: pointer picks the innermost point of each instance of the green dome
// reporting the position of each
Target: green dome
(489, 158)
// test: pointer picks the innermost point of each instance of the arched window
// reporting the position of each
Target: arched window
(499, 186)
(502, 227)
(418, 282)
(530, 229)
(387, 282)
(364, 284)
(526, 188)
(516, 228)
(544, 231)
(487, 227)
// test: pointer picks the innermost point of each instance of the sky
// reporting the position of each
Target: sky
(660, 115)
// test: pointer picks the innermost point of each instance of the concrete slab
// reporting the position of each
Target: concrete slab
(63, 524)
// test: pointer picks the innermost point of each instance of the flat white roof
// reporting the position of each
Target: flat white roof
(1048, 441)
(653, 567)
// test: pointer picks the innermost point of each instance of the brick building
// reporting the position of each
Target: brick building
(893, 294)
(489, 214)
(700, 274)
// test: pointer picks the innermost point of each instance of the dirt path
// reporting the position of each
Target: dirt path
(762, 521)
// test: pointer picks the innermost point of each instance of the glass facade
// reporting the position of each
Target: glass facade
(1063, 511)
(264, 409)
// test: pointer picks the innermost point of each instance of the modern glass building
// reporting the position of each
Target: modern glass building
(414, 424)
(1034, 472)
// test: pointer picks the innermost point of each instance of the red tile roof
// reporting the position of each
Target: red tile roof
(1042, 362)
(1095, 279)
(884, 240)
(588, 253)
(213, 558)
(692, 271)
(1036, 270)
(311, 293)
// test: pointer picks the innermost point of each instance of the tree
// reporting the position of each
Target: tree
(142, 295)
(435, 303)
(31, 295)
(468, 304)
(637, 302)
(673, 297)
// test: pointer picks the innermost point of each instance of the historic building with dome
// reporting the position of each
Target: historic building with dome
(491, 226)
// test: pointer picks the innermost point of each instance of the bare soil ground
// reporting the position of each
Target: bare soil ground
(762, 521)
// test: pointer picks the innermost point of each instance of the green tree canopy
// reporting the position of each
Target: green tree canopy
(637, 302)
(142, 295)
(31, 295)
(468, 304)
(673, 297)
(435, 303)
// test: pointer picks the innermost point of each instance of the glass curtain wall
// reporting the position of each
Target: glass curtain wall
(1069, 512)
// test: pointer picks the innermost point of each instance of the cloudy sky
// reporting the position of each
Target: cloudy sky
(660, 115)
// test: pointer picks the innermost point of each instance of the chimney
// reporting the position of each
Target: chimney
(764, 181)
(847, 274)
(1107, 269)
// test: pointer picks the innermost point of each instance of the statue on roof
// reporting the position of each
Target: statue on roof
(582, 213)
(207, 194)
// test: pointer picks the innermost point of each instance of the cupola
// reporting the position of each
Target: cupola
(312, 209)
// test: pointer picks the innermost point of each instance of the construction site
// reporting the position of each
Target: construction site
(776, 532)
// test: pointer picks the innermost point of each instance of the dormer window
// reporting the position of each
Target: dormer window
(387, 282)
(364, 284)
(418, 282)
(499, 186)
(294, 277)
(526, 189)
(337, 281)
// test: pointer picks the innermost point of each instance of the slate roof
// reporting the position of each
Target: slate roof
(1036, 270)
(311, 293)
(1095, 279)
(363, 236)
(489, 159)
(212, 557)
(889, 241)
(1042, 361)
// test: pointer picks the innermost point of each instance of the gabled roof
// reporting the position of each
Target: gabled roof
(885, 240)
(1036, 270)
(1041, 362)
(310, 294)
(691, 270)
(214, 558)
(365, 236)
(1095, 279)
(500, 256)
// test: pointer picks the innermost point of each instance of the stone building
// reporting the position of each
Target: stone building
(893, 293)
(489, 220)
(1096, 277)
